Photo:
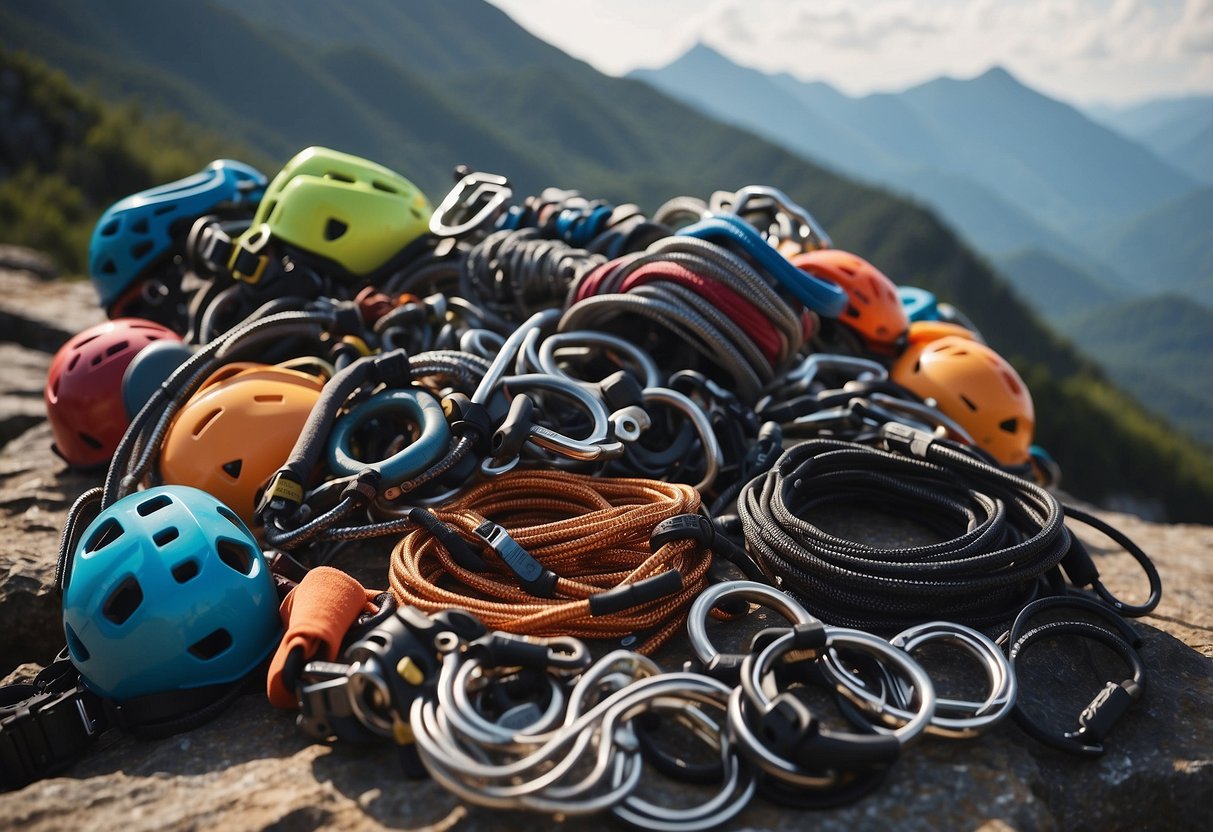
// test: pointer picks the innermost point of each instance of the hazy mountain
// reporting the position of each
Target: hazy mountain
(1178, 130)
(1007, 167)
(1168, 365)
(710, 82)
(1169, 249)
(1041, 154)
(562, 124)
(1058, 289)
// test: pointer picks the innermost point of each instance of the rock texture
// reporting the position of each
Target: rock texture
(251, 769)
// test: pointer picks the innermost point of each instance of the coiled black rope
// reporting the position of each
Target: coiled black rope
(1002, 536)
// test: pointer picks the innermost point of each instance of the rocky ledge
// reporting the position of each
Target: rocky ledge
(252, 769)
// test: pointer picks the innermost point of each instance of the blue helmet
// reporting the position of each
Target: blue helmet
(167, 590)
(138, 230)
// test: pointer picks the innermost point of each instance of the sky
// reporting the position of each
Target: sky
(1082, 51)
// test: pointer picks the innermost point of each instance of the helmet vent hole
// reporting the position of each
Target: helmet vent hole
(74, 645)
(110, 228)
(142, 249)
(235, 555)
(334, 229)
(339, 177)
(108, 267)
(416, 214)
(206, 420)
(185, 571)
(270, 398)
(852, 312)
(968, 402)
(71, 365)
(231, 517)
(91, 441)
(383, 186)
(1011, 383)
(164, 209)
(140, 226)
(148, 507)
(114, 349)
(123, 601)
(165, 536)
(232, 469)
(210, 646)
(1009, 425)
(104, 535)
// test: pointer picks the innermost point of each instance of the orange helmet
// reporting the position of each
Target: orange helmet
(237, 430)
(976, 387)
(923, 331)
(874, 309)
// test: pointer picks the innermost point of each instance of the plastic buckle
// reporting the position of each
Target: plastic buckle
(45, 733)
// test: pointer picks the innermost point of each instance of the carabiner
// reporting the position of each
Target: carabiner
(415, 405)
(808, 232)
(476, 200)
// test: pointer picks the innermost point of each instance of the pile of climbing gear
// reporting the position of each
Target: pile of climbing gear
(571, 440)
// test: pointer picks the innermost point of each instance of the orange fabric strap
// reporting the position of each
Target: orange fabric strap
(317, 615)
(591, 532)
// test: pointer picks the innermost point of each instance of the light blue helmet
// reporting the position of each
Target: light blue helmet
(167, 590)
(138, 230)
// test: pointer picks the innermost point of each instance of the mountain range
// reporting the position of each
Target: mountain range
(1079, 212)
(428, 85)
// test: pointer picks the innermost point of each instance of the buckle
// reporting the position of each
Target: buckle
(45, 733)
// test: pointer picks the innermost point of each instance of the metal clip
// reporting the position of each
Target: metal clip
(476, 200)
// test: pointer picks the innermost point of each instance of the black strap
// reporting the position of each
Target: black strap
(47, 725)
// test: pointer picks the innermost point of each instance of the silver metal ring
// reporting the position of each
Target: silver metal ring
(766, 596)
(713, 456)
(954, 718)
(550, 364)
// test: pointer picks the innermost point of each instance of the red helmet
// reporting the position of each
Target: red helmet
(874, 309)
(84, 388)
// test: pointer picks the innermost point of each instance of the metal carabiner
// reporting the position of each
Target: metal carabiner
(808, 232)
(802, 376)
(708, 656)
(475, 200)
(953, 718)
(712, 454)
(547, 357)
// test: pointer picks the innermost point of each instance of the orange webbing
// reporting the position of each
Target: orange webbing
(592, 532)
(317, 615)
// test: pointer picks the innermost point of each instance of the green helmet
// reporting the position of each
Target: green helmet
(351, 211)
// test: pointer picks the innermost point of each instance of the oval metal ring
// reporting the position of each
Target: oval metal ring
(413, 404)
(766, 596)
(549, 363)
(954, 718)
(885, 653)
(589, 448)
(713, 456)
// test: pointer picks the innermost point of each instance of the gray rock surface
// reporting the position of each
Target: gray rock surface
(252, 769)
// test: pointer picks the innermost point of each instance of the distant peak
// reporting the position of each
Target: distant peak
(998, 75)
(701, 52)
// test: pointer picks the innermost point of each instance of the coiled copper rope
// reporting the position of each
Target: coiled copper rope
(593, 533)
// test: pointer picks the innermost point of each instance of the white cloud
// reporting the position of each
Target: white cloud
(1076, 49)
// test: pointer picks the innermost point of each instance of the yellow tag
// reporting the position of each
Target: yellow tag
(408, 670)
(287, 490)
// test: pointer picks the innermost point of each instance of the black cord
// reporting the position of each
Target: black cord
(1002, 535)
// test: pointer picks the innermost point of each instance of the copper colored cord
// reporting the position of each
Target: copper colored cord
(591, 532)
